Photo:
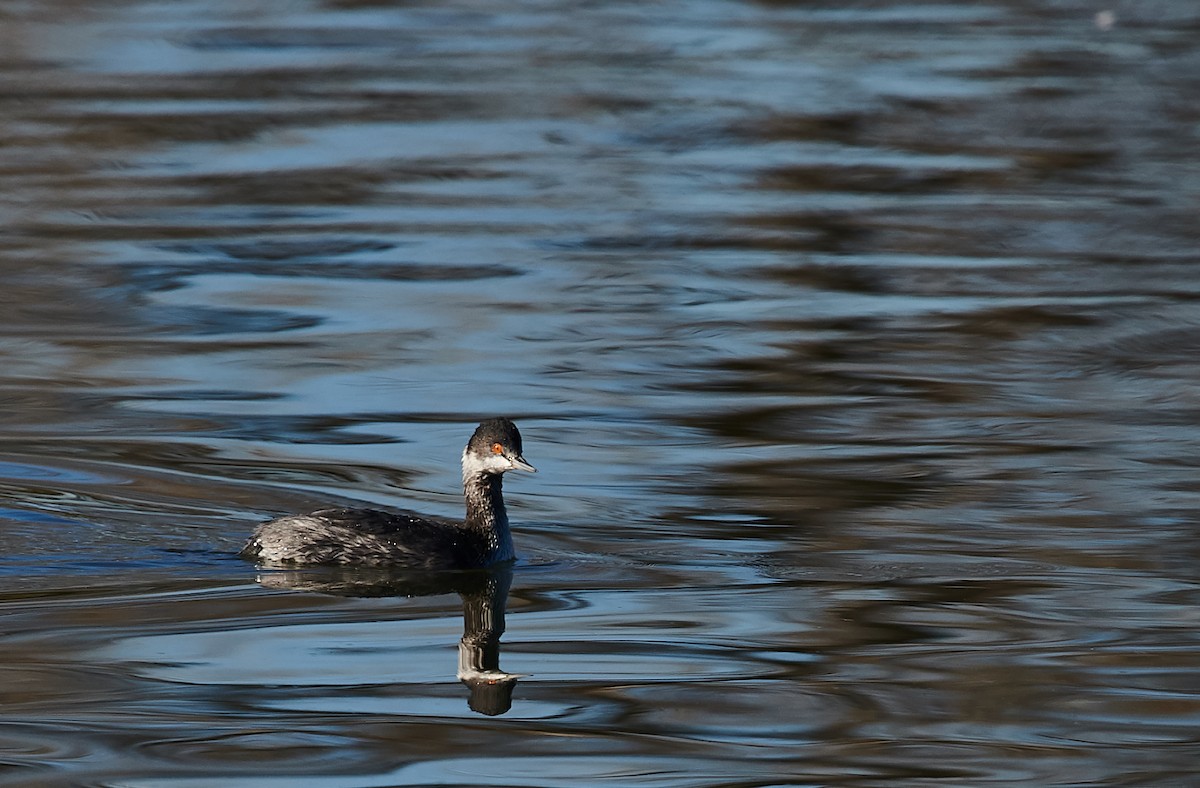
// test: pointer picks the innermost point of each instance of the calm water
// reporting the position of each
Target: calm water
(858, 347)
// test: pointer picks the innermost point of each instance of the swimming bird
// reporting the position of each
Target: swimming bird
(372, 537)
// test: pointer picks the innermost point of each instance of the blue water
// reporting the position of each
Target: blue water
(856, 347)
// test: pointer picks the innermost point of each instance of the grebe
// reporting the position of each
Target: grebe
(370, 537)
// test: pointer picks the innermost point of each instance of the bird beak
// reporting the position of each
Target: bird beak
(519, 462)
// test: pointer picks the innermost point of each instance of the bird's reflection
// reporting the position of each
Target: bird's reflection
(484, 594)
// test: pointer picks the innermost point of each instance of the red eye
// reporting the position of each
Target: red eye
(497, 448)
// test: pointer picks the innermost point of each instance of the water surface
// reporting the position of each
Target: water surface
(856, 347)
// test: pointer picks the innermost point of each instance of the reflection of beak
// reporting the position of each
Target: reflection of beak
(519, 462)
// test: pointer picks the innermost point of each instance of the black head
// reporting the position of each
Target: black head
(495, 448)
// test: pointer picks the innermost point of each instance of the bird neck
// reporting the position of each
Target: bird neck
(486, 514)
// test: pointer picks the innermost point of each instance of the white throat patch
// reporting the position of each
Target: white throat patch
(473, 464)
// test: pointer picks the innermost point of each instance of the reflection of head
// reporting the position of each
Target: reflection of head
(491, 693)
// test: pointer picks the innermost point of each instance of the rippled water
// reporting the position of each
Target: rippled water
(857, 346)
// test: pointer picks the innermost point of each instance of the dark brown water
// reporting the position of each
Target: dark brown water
(858, 346)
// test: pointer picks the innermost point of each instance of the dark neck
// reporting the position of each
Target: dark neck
(486, 514)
